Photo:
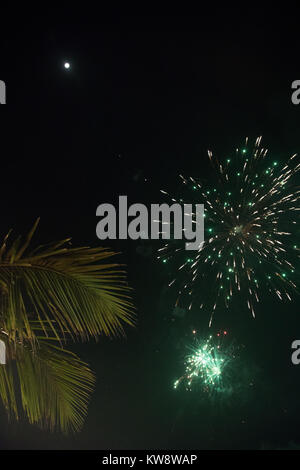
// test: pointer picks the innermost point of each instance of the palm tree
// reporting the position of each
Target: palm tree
(49, 295)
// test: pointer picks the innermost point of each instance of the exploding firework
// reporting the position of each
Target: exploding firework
(250, 243)
(205, 365)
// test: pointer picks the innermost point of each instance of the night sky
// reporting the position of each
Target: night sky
(143, 100)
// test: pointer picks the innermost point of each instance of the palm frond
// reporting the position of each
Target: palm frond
(48, 384)
(75, 291)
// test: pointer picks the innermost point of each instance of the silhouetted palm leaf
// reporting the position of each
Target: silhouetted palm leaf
(74, 290)
(47, 295)
(50, 385)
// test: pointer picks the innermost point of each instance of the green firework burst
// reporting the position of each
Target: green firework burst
(251, 245)
(205, 366)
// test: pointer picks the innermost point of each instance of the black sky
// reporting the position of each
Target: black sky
(145, 97)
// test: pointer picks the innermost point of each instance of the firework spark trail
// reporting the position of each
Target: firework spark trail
(250, 216)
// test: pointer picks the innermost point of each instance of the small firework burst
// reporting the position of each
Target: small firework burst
(205, 365)
(250, 242)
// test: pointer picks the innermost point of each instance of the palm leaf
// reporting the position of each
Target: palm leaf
(75, 291)
(48, 384)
